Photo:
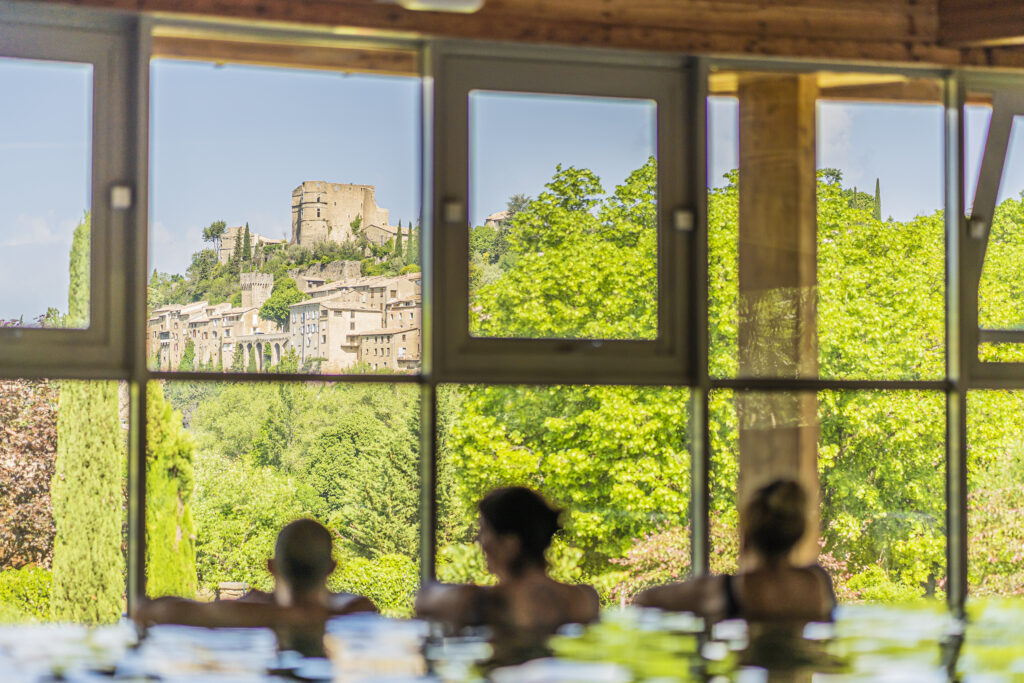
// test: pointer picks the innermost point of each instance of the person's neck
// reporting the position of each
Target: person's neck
(528, 573)
(286, 597)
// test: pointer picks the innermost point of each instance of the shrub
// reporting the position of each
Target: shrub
(25, 594)
(391, 581)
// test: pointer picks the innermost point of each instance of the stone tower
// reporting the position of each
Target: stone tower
(256, 288)
(324, 211)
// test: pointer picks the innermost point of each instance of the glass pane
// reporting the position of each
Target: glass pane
(995, 471)
(1001, 289)
(63, 490)
(615, 458)
(45, 184)
(229, 464)
(563, 231)
(837, 273)
(271, 248)
(878, 457)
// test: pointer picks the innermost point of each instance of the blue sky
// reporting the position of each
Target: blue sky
(231, 142)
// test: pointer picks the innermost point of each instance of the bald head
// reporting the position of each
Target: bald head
(302, 555)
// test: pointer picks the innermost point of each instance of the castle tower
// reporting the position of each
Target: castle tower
(324, 211)
(256, 288)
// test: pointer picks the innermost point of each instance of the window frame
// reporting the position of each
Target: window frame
(1007, 94)
(103, 349)
(456, 71)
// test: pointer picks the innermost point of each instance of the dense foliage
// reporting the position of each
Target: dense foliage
(87, 485)
(170, 538)
(28, 448)
(577, 262)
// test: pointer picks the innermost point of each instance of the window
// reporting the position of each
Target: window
(869, 223)
(176, 159)
(520, 297)
(351, 326)
(63, 151)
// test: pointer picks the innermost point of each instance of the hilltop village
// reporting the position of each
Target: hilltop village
(344, 319)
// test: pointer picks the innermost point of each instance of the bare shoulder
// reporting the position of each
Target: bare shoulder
(350, 603)
(691, 595)
(584, 603)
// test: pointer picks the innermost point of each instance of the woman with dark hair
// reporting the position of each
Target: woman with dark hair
(773, 588)
(516, 528)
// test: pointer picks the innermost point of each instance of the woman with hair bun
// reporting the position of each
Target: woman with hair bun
(516, 528)
(774, 588)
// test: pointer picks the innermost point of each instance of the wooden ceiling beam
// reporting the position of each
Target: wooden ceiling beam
(972, 23)
(861, 30)
(931, 32)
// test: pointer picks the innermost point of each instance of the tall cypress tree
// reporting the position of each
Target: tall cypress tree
(878, 200)
(170, 538)
(88, 506)
(247, 245)
(398, 240)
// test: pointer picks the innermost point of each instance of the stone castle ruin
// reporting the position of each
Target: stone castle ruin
(256, 288)
(324, 212)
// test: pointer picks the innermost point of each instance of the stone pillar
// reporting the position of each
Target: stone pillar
(778, 286)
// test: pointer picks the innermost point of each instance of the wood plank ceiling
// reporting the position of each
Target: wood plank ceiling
(935, 32)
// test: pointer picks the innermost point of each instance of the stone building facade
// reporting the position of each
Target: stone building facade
(256, 288)
(237, 233)
(323, 211)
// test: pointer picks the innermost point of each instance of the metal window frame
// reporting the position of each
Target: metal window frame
(101, 349)
(1007, 105)
(457, 71)
(127, 251)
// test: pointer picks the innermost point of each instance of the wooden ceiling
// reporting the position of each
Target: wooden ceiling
(935, 32)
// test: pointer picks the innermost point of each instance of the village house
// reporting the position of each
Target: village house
(391, 349)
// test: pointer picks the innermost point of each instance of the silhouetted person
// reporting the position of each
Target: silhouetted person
(527, 605)
(298, 607)
(774, 588)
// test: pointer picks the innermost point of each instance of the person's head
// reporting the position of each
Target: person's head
(776, 519)
(302, 557)
(516, 528)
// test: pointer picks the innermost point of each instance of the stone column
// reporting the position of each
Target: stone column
(778, 286)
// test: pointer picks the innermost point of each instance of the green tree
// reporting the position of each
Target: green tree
(87, 487)
(213, 232)
(878, 200)
(284, 294)
(188, 357)
(238, 358)
(398, 242)
(247, 245)
(365, 468)
(170, 537)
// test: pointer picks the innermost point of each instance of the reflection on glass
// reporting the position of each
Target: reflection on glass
(62, 513)
(878, 460)
(563, 236)
(995, 471)
(230, 464)
(271, 247)
(45, 181)
(838, 273)
(614, 458)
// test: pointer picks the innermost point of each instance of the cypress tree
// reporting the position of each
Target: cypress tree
(236, 253)
(170, 538)
(188, 357)
(252, 362)
(238, 359)
(247, 245)
(87, 486)
(878, 200)
(398, 240)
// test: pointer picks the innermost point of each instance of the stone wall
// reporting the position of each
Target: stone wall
(335, 270)
(256, 288)
(324, 211)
